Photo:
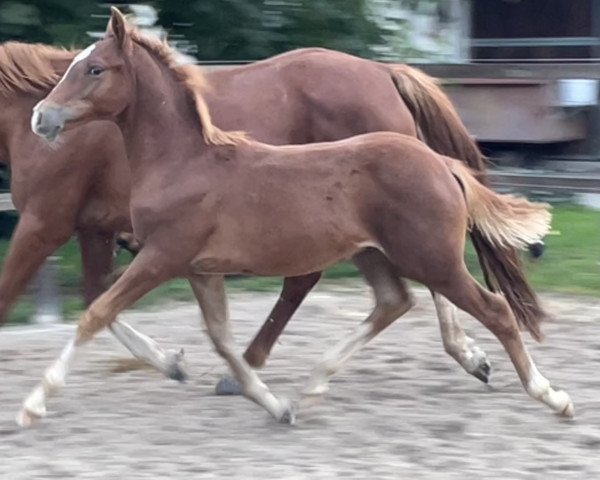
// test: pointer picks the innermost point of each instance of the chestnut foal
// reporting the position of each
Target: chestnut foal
(328, 96)
(386, 200)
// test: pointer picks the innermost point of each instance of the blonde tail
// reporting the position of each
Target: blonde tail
(505, 220)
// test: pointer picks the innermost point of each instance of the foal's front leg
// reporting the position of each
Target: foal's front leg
(98, 262)
(292, 295)
(145, 273)
(210, 292)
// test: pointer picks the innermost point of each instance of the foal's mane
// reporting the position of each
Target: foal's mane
(194, 80)
(28, 68)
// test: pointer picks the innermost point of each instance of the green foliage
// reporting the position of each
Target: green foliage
(62, 22)
(251, 29)
(571, 261)
(212, 30)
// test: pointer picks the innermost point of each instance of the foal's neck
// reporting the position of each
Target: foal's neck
(161, 126)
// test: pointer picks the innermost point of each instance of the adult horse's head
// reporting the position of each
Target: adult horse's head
(97, 84)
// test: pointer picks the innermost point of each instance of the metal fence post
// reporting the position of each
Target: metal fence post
(47, 298)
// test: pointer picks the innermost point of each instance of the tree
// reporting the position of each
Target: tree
(254, 29)
(62, 22)
(221, 30)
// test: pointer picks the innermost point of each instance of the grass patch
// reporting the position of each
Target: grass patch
(571, 261)
(571, 264)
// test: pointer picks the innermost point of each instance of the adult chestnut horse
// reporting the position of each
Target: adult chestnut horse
(396, 207)
(303, 96)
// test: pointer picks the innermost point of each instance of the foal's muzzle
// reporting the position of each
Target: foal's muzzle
(48, 120)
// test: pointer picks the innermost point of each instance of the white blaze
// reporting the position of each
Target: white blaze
(78, 58)
(34, 117)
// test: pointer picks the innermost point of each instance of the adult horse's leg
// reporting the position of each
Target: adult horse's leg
(392, 300)
(145, 273)
(32, 241)
(293, 293)
(210, 292)
(97, 257)
(457, 344)
(98, 260)
(494, 312)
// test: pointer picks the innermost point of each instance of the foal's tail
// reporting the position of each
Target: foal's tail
(504, 220)
(442, 129)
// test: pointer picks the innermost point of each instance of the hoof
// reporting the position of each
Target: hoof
(536, 250)
(483, 371)
(256, 359)
(228, 386)
(176, 367)
(288, 417)
(568, 410)
(26, 419)
(478, 365)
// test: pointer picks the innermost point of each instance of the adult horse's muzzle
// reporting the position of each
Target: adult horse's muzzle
(48, 119)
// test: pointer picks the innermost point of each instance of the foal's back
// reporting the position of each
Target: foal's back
(302, 208)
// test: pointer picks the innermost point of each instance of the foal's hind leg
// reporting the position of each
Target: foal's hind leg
(493, 311)
(457, 344)
(391, 301)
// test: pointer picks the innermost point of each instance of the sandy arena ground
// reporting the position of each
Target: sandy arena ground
(401, 408)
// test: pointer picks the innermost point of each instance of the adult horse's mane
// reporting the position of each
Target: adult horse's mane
(194, 80)
(29, 68)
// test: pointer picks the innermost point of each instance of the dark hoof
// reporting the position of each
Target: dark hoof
(288, 418)
(289, 414)
(228, 386)
(483, 372)
(536, 250)
(177, 373)
(176, 366)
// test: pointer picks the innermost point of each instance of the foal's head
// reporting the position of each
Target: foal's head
(101, 82)
(97, 85)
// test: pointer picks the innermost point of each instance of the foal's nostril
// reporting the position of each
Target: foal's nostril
(47, 121)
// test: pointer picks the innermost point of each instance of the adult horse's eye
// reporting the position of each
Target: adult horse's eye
(94, 71)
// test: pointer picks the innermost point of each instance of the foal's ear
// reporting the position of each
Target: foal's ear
(117, 26)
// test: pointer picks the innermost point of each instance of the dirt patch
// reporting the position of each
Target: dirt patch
(400, 409)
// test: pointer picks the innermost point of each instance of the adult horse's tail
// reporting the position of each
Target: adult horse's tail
(442, 129)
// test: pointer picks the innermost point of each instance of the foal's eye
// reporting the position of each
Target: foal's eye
(95, 71)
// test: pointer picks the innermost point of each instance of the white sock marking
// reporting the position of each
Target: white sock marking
(539, 388)
(56, 374)
(54, 378)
